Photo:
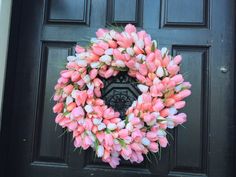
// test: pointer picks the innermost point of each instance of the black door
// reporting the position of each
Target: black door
(44, 33)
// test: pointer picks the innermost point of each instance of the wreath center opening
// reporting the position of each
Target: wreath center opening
(119, 92)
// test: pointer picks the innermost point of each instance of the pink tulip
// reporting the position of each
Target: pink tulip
(137, 147)
(100, 136)
(79, 49)
(185, 93)
(81, 97)
(80, 129)
(56, 97)
(136, 135)
(78, 112)
(68, 89)
(71, 106)
(72, 126)
(109, 73)
(179, 104)
(152, 136)
(108, 140)
(106, 156)
(177, 59)
(173, 69)
(164, 112)
(98, 50)
(143, 69)
(163, 141)
(114, 162)
(88, 124)
(153, 147)
(178, 79)
(103, 45)
(169, 102)
(97, 92)
(64, 122)
(87, 142)
(93, 74)
(101, 32)
(137, 50)
(126, 152)
(180, 118)
(158, 106)
(98, 83)
(75, 76)
(112, 44)
(139, 157)
(186, 85)
(130, 28)
(78, 142)
(118, 55)
(81, 83)
(66, 73)
(58, 108)
(59, 117)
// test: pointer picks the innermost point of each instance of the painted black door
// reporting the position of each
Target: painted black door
(45, 33)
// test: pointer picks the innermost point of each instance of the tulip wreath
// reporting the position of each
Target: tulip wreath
(81, 110)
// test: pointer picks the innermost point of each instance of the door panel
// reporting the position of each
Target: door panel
(48, 32)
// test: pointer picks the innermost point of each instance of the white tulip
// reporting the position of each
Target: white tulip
(107, 37)
(178, 88)
(172, 111)
(121, 49)
(109, 51)
(88, 108)
(94, 40)
(101, 126)
(100, 151)
(111, 126)
(74, 93)
(113, 33)
(137, 65)
(90, 86)
(97, 121)
(82, 56)
(106, 59)
(130, 116)
(134, 36)
(143, 88)
(164, 51)
(145, 141)
(160, 118)
(140, 99)
(170, 123)
(86, 79)
(69, 100)
(161, 133)
(120, 63)
(159, 71)
(141, 57)
(130, 51)
(95, 64)
(140, 44)
(155, 43)
(134, 104)
(82, 63)
(121, 125)
(71, 58)
(81, 121)
(129, 127)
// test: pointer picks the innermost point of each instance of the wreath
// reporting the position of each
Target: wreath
(81, 110)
